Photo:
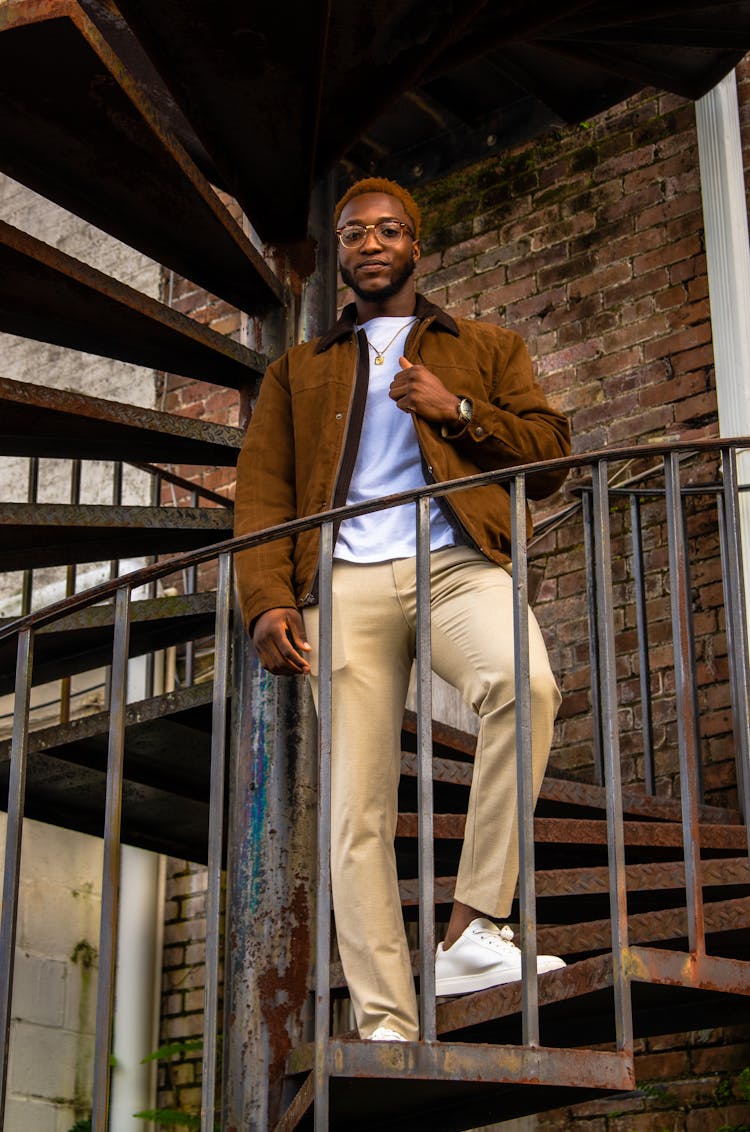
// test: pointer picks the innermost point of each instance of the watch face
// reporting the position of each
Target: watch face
(464, 409)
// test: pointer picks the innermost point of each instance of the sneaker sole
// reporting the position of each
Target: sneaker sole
(466, 984)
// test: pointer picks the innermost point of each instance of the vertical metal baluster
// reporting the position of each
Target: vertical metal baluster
(688, 752)
(524, 762)
(323, 912)
(114, 567)
(32, 495)
(70, 587)
(111, 868)
(13, 838)
(736, 615)
(618, 905)
(424, 784)
(215, 835)
(644, 664)
(190, 585)
(597, 726)
(690, 657)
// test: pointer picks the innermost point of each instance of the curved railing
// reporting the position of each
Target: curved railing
(597, 564)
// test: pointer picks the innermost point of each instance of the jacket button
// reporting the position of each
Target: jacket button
(479, 431)
(339, 416)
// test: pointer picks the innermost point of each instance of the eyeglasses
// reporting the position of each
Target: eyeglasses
(387, 232)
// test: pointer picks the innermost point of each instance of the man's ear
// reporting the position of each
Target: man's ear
(416, 250)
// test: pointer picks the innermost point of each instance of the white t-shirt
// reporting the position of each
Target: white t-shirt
(388, 461)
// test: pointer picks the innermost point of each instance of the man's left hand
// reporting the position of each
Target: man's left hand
(415, 389)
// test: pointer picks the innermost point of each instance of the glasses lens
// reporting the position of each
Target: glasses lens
(352, 235)
(389, 232)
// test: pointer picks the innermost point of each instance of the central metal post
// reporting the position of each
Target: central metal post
(271, 825)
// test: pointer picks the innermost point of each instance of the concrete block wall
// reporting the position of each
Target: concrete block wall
(54, 990)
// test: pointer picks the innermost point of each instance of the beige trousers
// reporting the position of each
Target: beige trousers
(374, 615)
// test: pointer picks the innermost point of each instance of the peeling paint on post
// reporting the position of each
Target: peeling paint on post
(272, 836)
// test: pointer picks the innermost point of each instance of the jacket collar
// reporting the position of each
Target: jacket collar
(345, 325)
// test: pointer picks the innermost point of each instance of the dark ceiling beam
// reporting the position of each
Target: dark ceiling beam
(247, 78)
(49, 296)
(83, 134)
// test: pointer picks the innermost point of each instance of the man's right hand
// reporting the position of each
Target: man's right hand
(280, 642)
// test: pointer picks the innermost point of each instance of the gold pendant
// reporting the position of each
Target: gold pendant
(379, 360)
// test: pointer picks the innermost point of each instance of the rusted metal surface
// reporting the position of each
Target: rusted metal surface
(644, 927)
(54, 534)
(580, 831)
(116, 163)
(48, 296)
(41, 421)
(675, 968)
(467, 1062)
(299, 1106)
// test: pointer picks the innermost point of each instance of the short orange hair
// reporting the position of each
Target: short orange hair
(381, 185)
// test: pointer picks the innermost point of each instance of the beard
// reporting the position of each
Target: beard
(382, 293)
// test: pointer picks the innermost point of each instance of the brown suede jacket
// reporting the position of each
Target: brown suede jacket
(299, 452)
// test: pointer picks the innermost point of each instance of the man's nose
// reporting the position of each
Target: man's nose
(371, 242)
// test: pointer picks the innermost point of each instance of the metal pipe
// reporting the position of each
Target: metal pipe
(686, 730)
(215, 839)
(426, 852)
(644, 665)
(589, 546)
(524, 763)
(13, 838)
(737, 633)
(111, 866)
(611, 762)
(692, 687)
(32, 494)
(323, 917)
(70, 586)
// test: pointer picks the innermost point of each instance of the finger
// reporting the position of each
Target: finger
(404, 363)
(296, 631)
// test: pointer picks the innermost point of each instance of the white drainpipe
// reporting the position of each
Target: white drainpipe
(728, 261)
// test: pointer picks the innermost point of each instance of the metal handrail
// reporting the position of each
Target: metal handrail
(154, 572)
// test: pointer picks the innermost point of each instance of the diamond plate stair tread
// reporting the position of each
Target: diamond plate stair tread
(56, 534)
(578, 797)
(83, 640)
(36, 420)
(102, 148)
(573, 883)
(48, 296)
(167, 766)
(584, 831)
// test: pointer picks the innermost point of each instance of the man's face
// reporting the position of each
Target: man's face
(372, 271)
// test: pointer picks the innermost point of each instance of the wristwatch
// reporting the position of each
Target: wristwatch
(464, 409)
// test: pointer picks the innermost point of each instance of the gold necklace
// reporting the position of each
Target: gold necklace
(380, 354)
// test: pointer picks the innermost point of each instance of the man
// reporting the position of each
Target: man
(397, 394)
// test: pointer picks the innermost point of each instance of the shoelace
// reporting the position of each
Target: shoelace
(501, 940)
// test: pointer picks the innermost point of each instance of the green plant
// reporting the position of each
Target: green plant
(743, 1083)
(172, 1117)
(723, 1092)
(81, 1125)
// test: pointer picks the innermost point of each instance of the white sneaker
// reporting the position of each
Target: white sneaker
(384, 1034)
(483, 956)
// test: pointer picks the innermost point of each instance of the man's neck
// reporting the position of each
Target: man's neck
(396, 306)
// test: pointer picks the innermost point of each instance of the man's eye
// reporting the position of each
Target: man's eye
(353, 234)
(390, 231)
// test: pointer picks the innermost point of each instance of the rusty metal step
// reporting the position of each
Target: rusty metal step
(571, 884)
(82, 641)
(167, 773)
(116, 163)
(578, 799)
(584, 831)
(36, 420)
(57, 534)
(48, 296)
